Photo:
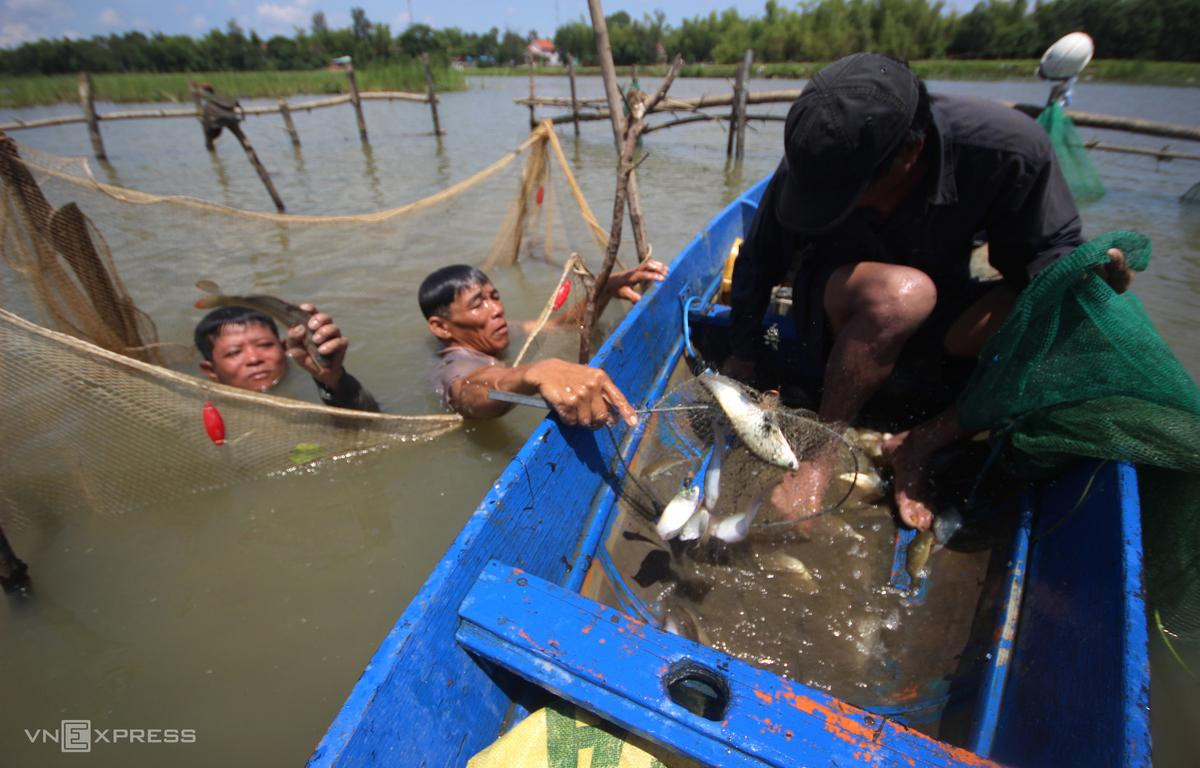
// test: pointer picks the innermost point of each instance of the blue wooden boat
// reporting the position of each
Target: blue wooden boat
(500, 621)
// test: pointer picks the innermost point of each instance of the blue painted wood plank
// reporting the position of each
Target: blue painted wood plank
(1077, 693)
(422, 700)
(1000, 658)
(616, 666)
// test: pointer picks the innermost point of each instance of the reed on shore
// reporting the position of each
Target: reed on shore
(173, 86)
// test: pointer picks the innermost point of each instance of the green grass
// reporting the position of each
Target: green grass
(1113, 70)
(173, 86)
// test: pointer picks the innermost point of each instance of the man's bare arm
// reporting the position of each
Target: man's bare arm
(580, 394)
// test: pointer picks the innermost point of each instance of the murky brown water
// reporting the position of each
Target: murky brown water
(248, 613)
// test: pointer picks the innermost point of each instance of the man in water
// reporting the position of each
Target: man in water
(241, 347)
(465, 313)
(881, 194)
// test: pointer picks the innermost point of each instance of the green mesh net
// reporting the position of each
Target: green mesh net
(1078, 370)
(1072, 154)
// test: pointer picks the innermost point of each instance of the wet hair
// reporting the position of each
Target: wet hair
(917, 130)
(439, 290)
(212, 324)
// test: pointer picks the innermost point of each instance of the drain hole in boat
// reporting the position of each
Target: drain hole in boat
(698, 689)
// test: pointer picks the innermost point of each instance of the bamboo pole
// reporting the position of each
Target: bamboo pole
(14, 574)
(738, 84)
(287, 122)
(252, 156)
(704, 117)
(532, 116)
(88, 104)
(625, 169)
(574, 101)
(1164, 155)
(611, 92)
(747, 63)
(432, 94)
(357, 102)
(198, 98)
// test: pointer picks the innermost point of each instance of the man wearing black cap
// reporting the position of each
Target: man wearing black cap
(877, 204)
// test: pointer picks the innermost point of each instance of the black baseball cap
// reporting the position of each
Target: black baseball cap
(850, 117)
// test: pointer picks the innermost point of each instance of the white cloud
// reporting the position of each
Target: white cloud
(109, 18)
(280, 14)
(199, 23)
(14, 33)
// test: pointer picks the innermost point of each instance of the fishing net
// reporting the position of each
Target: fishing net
(805, 593)
(730, 458)
(1078, 370)
(1073, 159)
(92, 377)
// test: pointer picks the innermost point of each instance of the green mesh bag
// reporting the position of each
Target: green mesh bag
(1072, 155)
(1078, 370)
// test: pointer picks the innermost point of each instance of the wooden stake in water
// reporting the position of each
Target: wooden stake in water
(287, 122)
(89, 114)
(743, 92)
(574, 101)
(357, 102)
(432, 93)
(252, 156)
(532, 116)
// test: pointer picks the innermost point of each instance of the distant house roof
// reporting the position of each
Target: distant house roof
(543, 45)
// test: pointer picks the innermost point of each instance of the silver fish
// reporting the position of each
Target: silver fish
(756, 426)
(712, 476)
(866, 487)
(678, 512)
(285, 312)
(782, 563)
(868, 441)
(735, 528)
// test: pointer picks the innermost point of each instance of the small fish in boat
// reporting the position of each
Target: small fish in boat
(679, 621)
(712, 476)
(285, 312)
(696, 526)
(782, 563)
(917, 557)
(867, 487)
(869, 441)
(678, 512)
(757, 427)
(735, 528)
(662, 466)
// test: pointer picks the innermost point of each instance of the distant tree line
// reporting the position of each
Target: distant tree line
(818, 30)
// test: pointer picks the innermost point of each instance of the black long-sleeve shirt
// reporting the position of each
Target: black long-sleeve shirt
(349, 394)
(993, 171)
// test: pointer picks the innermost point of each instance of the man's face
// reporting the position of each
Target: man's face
(475, 319)
(248, 356)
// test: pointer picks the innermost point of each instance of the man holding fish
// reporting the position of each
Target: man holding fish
(881, 196)
(242, 348)
(465, 313)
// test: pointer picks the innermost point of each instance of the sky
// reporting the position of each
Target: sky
(24, 20)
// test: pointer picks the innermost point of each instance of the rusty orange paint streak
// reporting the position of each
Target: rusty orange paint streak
(764, 697)
(587, 628)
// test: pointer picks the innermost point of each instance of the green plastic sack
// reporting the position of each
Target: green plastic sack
(1072, 156)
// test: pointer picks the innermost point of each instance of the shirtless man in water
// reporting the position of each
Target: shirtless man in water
(880, 197)
(465, 313)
